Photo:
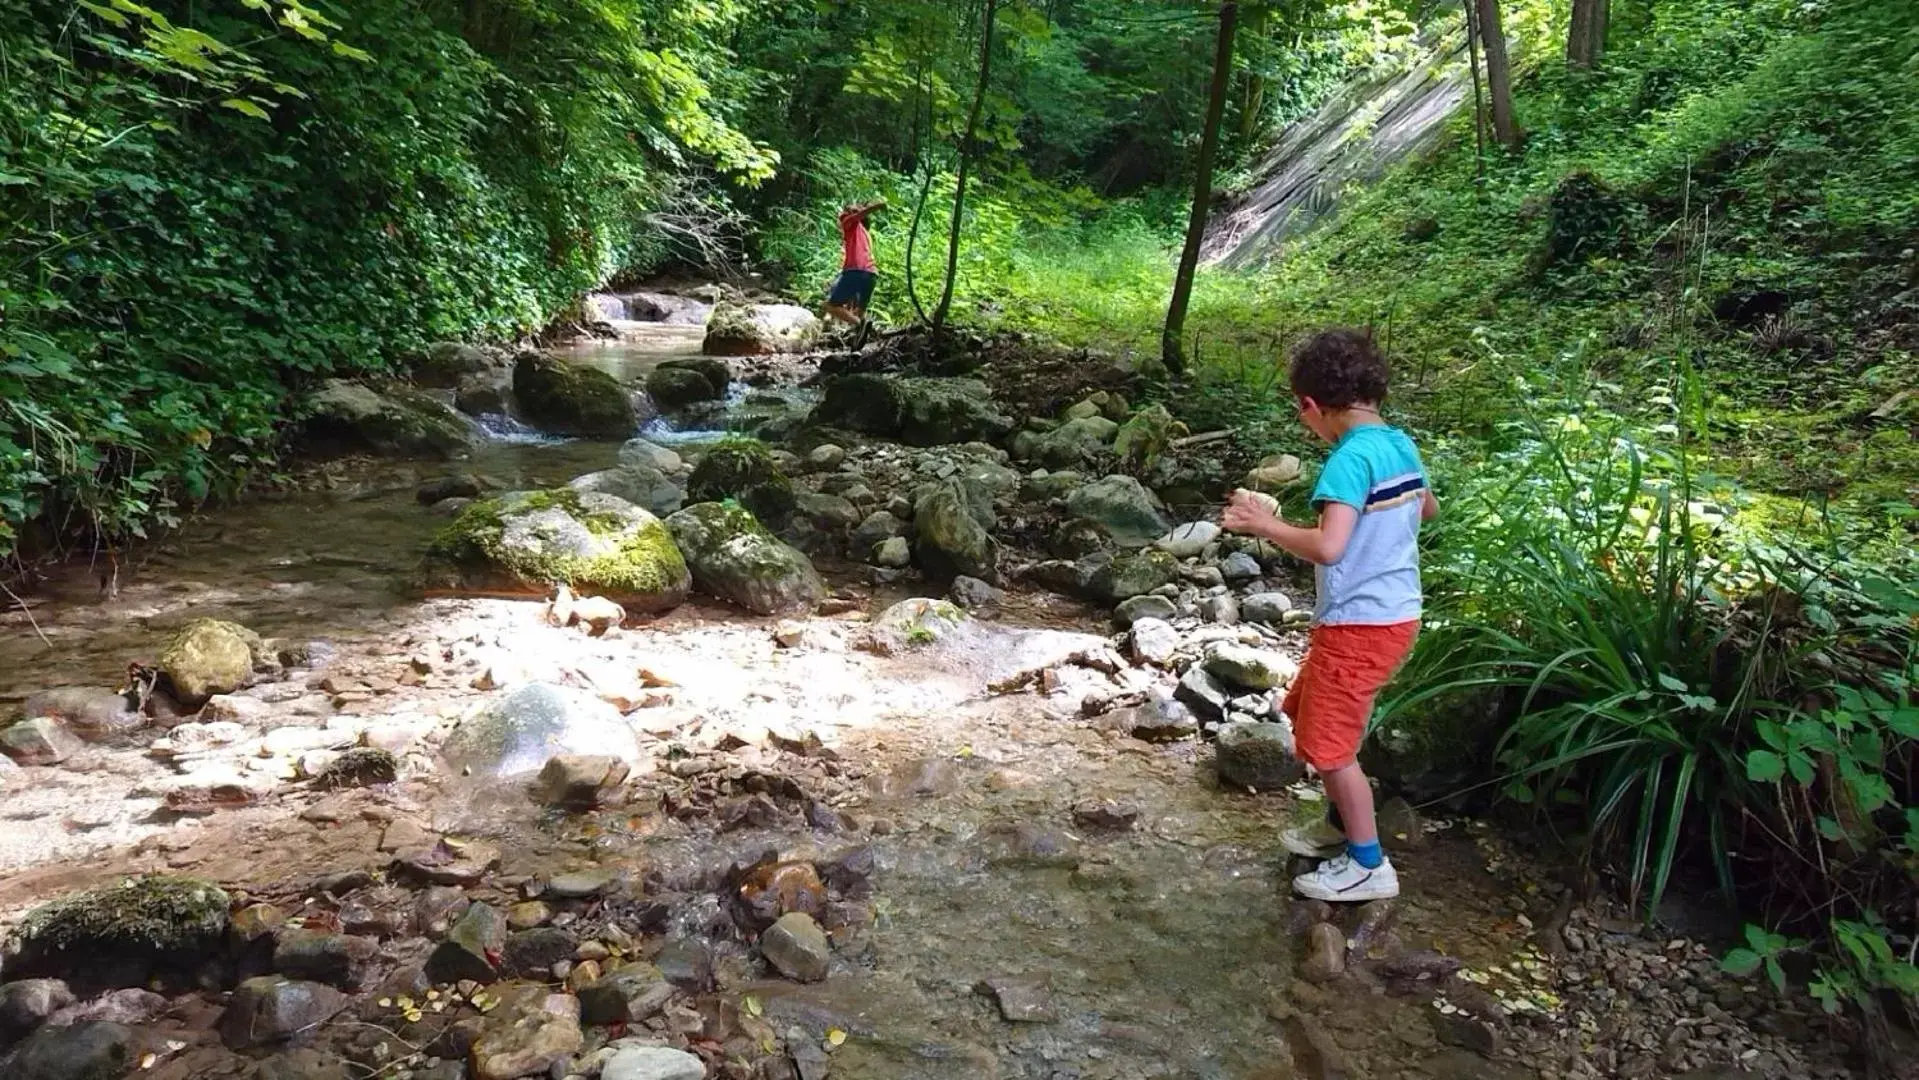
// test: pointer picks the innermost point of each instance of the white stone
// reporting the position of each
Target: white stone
(1154, 641)
(653, 1063)
(1188, 540)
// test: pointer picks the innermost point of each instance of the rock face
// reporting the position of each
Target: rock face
(92, 1050)
(759, 329)
(1258, 757)
(653, 1063)
(916, 411)
(40, 741)
(392, 420)
(743, 470)
(525, 542)
(676, 383)
(209, 657)
(797, 946)
(735, 558)
(273, 1009)
(119, 935)
(516, 734)
(949, 539)
(1122, 507)
(642, 485)
(566, 399)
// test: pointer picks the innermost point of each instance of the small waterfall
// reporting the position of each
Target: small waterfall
(1373, 122)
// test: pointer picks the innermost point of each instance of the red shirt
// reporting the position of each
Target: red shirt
(858, 246)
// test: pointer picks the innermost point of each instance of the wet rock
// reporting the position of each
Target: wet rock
(632, 994)
(914, 624)
(579, 781)
(436, 908)
(1030, 846)
(1107, 816)
(88, 1051)
(525, 542)
(119, 935)
(444, 362)
(1239, 566)
(448, 862)
(1221, 608)
(949, 540)
(523, 730)
(1325, 953)
(1145, 606)
(650, 454)
(1400, 825)
(916, 411)
(1250, 668)
(85, 709)
(735, 558)
(392, 419)
(797, 947)
(1122, 507)
(272, 1009)
(893, 553)
(677, 383)
(1459, 1029)
(642, 485)
(360, 766)
(772, 888)
(208, 657)
(1072, 443)
(582, 884)
(305, 1064)
(878, 527)
(471, 947)
(571, 399)
(456, 486)
(528, 915)
(975, 595)
(735, 329)
(686, 963)
(256, 921)
(1158, 720)
(532, 953)
(1153, 641)
(482, 395)
(1303, 914)
(335, 959)
(532, 1030)
(743, 470)
(1266, 607)
(1202, 693)
(652, 1063)
(1273, 474)
(1373, 928)
(1188, 540)
(1022, 999)
(40, 741)
(27, 1004)
(1130, 574)
(1257, 756)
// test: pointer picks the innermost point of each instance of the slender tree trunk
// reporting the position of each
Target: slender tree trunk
(1253, 105)
(1479, 96)
(1586, 40)
(1172, 347)
(1499, 76)
(965, 158)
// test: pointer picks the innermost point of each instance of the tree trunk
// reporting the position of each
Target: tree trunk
(1499, 76)
(965, 159)
(1253, 104)
(1172, 347)
(1586, 39)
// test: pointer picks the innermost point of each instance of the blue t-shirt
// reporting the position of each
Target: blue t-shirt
(1376, 470)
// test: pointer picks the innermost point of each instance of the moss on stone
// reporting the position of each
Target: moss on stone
(734, 557)
(124, 929)
(635, 561)
(743, 470)
(211, 656)
(567, 399)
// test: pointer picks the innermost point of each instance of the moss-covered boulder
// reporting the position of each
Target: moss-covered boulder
(917, 623)
(1129, 574)
(353, 417)
(734, 329)
(1122, 506)
(682, 382)
(525, 542)
(448, 363)
(915, 411)
(567, 399)
(1071, 444)
(125, 934)
(208, 657)
(735, 558)
(743, 470)
(949, 540)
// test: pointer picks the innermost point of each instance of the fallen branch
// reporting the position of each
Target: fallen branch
(1203, 438)
(28, 611)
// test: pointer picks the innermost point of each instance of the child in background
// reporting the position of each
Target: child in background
(853, 290)
(1371, 498)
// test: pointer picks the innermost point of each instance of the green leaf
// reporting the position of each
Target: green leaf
(341, 48)
(248, 108)
(1800, 766)
(1677, 686)
(1765, 767)
(1740, 963)
(1831, 829)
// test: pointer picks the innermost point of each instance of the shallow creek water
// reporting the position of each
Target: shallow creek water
(1164, 948)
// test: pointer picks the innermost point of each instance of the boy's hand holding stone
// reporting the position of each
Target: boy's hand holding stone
(1248, 511)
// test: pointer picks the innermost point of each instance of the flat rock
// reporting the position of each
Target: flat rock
(530, 1031)
(582, 884)
(1022, 999)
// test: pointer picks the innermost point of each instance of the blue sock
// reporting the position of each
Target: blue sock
(1366, 855)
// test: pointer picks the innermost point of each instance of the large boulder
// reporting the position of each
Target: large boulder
(915, 411)
(447, 364)
(1127, 574)
(518, 733)
(642, 485)
(949, 540)
(743, 470)
(273, 1009)
(1070, 444)
(208, 657)
(525, 542)
(759, 329)
(392, 419)
(684, 381)
(124, 934)
(567, 399)
(1122, 507)
(89, 1050)
(734, 558)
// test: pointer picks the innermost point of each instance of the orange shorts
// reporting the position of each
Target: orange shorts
(1331, 698)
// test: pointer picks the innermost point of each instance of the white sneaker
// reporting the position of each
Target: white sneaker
(1343, 881)
(1316, 841)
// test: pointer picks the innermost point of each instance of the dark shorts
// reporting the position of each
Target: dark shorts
(854, 287)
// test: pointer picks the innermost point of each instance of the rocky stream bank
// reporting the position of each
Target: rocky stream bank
(900, 716)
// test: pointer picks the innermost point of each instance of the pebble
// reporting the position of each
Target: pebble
(1325, 953)
(1239, 566)
(797, 947)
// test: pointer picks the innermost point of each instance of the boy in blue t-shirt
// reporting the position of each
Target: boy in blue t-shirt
(1371, 497)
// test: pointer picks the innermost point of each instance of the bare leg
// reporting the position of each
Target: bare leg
(1350, 792)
